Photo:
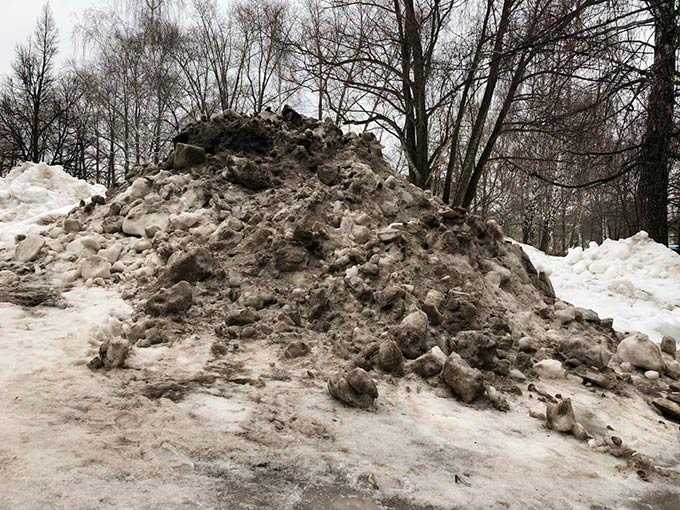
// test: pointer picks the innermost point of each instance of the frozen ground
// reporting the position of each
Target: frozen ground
(634, 281)
(32, 194)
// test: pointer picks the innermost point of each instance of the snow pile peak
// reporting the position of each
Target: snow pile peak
(33, 191)
(633, 281)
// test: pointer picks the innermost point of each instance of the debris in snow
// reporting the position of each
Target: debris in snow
(257, 249)
(296, 350)
(413, 330)
(578, 350)
(668, 345)
(187, 156)
(28, 249)
(673, 369)
(25, 290)
(668, 408)
(289, 253)
(112, 354)
(641, 352)
(139, 220)
(527, 344)
(466, 383)
(560, 417)
(95, 266)
(549, 369)
(496, 399)
(71, 225)
(241, 317)
(389, 357)
(354, 388)
(176, 299)
(429, 364)
(598, 379)
(194, 266)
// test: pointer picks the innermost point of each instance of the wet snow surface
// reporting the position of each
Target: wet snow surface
(77, 439)
(634, 281)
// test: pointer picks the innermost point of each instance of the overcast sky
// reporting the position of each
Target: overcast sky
(19, 17)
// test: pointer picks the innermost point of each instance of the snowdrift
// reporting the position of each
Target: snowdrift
(633, 281)
(33, 192)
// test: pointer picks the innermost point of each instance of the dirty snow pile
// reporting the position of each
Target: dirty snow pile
(278, 273)
(634, 281)
(35, 192)
(286, 230)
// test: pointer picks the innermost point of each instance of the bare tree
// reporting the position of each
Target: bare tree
(264, 29)
(558, 116)
(28, 107)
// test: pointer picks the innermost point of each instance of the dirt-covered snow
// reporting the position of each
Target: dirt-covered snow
(634, 281)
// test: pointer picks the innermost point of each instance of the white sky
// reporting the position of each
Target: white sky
(18, 20)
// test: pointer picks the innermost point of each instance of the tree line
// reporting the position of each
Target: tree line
(558, 117)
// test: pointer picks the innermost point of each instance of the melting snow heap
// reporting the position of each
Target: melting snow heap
(34, 194)
(634, 281)
(292, 252)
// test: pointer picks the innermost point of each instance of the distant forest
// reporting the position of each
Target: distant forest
(559, 118)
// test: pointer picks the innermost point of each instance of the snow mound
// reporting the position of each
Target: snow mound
(34, 191)
(633, 281)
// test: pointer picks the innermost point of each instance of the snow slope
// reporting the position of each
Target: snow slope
(634, 281)
(33, 192)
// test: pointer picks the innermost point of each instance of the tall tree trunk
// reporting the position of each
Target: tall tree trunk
(480, 122)
(471, 186)
(655, 152)
(419, 93)
(111, 178)
(455, 138)
(545, 236)
(97, 171)
(416, 123)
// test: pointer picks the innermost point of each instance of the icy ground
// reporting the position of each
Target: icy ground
(634, 281)
(35, 192)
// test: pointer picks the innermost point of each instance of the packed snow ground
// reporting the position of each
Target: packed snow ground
(33, 192)
(81, 439)
(634, 281)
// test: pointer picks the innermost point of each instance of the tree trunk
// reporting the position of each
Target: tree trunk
(471, 186)
(480, 122)
(655, 152)
(455, 138)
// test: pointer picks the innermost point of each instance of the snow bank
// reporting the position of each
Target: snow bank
(34, 191)
(634, 281)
